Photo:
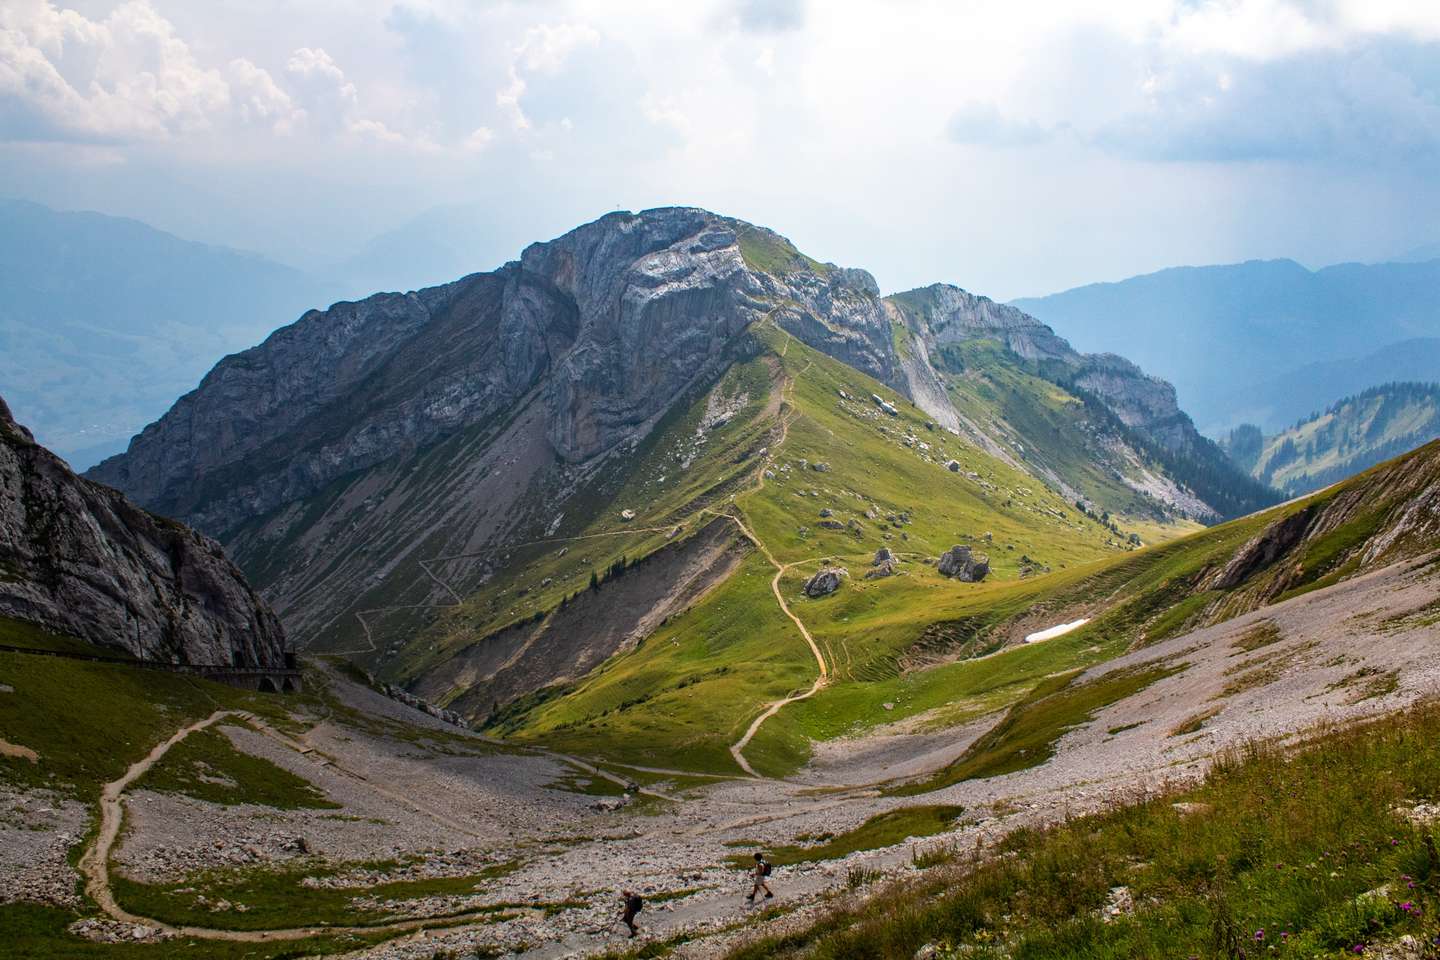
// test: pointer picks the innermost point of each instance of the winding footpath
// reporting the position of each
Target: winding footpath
(94, 864)
(737, 749)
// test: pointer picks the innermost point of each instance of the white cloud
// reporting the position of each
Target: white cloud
(479, 139)
(258, 99)
(544, 49)
(126, 77)
(332, 102)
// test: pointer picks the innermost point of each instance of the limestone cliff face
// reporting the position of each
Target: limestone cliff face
(941, 314)
(79, 558)
(609, 323)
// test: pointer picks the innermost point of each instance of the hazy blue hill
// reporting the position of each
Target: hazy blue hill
(1348, 436)
(1216, 332)
(435, 247)
(104, 321)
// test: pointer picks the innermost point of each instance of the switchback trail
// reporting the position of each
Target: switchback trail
(737, 749)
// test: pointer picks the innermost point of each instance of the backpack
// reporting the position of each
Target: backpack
(634, 904)
(764, 868)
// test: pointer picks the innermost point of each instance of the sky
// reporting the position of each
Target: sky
(1014, 148)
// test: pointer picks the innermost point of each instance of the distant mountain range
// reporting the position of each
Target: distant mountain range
(1233, 338)
(1349, 436)
(104, 321)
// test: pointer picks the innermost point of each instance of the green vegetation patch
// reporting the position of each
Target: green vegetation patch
(36, 932)
(1027, 735)
(18, 633)
(112, 715)
(1308, 854)
(277, 898)
(207, 766)
(1261, 634)
(883, 830)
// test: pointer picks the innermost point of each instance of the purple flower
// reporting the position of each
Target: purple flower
(1260, 934)
(1358, 948)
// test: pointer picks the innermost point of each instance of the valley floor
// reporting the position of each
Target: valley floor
(380, 814)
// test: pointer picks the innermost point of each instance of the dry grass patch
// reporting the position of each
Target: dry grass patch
(1260, 634)
(1194, 724)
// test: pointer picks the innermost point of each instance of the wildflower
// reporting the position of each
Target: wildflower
(1407, 906)
(1260, 934)
(1284, 934)
(1358, 948)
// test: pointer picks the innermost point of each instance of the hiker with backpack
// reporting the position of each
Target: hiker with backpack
(632, 904)
(762, 870)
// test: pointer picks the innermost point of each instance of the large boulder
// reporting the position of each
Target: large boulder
(882, 556)
(825, 582)
(962, 564)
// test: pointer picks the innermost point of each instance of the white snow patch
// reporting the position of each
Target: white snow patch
(1060, 629)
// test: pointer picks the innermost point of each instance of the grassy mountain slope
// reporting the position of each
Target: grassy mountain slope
(689, 689)
(1054, 430)
(1349, 436)
(911, 641)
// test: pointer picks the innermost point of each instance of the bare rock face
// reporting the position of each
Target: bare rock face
(79, 558)
(1272, 543)
(963, 565)
(825, 581)
(609, 323)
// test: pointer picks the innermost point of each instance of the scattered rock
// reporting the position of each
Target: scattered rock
(825, 582)
(967, 567)
(826, 512)
(883, 555)
(831, 524)
(820, 467)
(1188, 809)
(610, 804)
(953, 466)
(886, 569)
(1422, 814)
(1120, 903)
(627, 515)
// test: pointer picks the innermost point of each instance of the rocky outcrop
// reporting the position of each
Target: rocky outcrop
(1272, 543)
(80, 559)
(962, 564)
(941, 314)
(825, 581)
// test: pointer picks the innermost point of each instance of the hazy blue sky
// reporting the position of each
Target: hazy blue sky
(1011, 147)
